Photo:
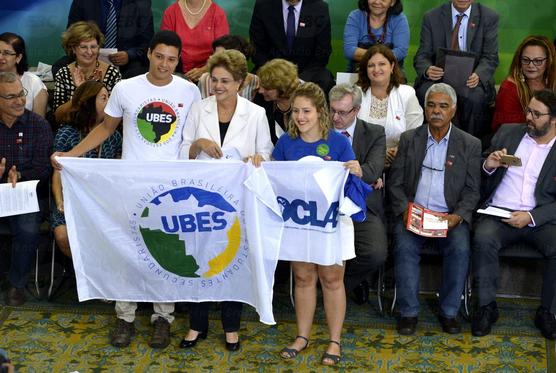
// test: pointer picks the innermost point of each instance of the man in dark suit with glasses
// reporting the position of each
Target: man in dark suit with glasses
(438, 168)
(528, 189)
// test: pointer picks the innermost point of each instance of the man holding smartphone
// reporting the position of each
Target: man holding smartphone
(529, 191)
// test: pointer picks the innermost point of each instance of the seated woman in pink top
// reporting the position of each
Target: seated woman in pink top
(198, 23)
(533, 69)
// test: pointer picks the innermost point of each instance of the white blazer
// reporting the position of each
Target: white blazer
(404, 112)
(248, 131)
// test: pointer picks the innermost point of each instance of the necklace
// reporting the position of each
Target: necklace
(197, 12)
(285, 112)
(93, 74)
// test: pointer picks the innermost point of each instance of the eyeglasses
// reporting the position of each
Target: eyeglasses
(21, 94)
(84, 48)
(430, 167)
(342, 114)
(536, 61)
(6, 53)
(535, 114)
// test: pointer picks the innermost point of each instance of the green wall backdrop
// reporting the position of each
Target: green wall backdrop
(41, 22)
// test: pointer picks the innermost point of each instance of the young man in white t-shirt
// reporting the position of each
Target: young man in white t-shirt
(154, 107)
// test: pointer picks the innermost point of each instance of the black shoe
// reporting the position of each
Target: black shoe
(15, 297)
(361, 293)
(232, 346)
(483, 319)
(545, 321)
(449, 325)
(407, 325)
(122, 334)
(191, 343)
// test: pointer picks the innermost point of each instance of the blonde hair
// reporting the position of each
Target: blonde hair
(314, 93)
(78, 32)
(279, 74)
(232, 61)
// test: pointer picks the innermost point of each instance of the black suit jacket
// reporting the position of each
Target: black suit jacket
(462, 175)
(369, 146)
(312, 46)
(135, 24)
(509, 136)
(482, 38)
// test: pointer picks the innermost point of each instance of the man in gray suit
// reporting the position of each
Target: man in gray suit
(369, 145)
(477, 33)
(438, 168)
(529, 191)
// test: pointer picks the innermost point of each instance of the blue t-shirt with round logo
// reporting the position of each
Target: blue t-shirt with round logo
(335, 148)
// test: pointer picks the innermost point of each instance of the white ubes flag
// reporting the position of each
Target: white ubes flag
(163, 231)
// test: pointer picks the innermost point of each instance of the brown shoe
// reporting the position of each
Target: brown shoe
(122, 334)
(15, 297)
(161, 333)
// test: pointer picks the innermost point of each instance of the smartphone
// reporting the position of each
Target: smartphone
(510, 160)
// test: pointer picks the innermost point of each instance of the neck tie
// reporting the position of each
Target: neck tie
(290, 29)
(455, 32)
(346, 134)
(111, 26)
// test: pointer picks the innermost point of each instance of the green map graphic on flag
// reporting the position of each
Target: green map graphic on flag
(193, 215)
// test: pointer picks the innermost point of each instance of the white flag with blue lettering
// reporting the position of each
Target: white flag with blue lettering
(164, 231)
(307, 196)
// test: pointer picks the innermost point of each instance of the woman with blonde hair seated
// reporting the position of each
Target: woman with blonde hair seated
(277, 80)
(309, 132)
(533, 69)
(221, 126)
(82, 40)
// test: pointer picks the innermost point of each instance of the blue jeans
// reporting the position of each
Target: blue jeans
(407, 255)
(25, 238)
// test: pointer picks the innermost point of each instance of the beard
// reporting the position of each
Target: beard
(536, 132)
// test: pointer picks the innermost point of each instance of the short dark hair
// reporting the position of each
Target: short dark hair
(548, 98)
(395, 10)
(236, 42)
(18, 44)
(166, 37)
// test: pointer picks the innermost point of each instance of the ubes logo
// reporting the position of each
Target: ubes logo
(191, 232)
(307, 212)
(156, 122)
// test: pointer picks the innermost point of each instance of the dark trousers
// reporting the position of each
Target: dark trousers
(455, 265)
(231, 316)
(490, 236)
(25, 239)
(371, 248)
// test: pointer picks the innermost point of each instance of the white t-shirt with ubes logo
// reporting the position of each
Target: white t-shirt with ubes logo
(153, 116)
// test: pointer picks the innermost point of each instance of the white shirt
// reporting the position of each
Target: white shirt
(153, 116)
(350, 129)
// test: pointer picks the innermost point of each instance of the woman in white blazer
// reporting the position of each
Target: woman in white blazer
(224, 125)
(386, 101)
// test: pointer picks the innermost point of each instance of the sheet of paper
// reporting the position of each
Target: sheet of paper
(19, 200)
(495, 211)
(350, 78)
(431, 221)
(104, 53)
